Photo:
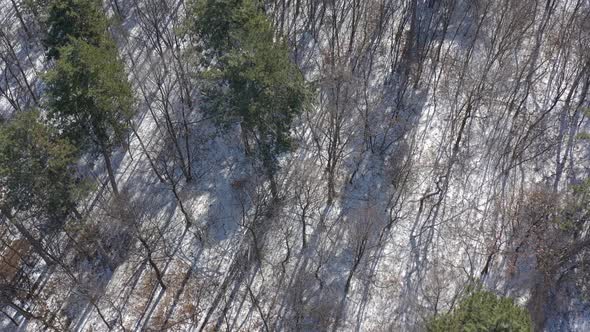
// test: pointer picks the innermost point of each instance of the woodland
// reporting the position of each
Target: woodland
(294, 165)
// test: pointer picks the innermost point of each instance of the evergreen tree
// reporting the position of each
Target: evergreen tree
(213, 21)
(37, 180)
(483, 311)
(74, 19)
(89, 99)
(254, 81)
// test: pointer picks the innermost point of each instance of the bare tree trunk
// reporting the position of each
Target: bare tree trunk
(36, 244)
(153, 264)
(20, 18)
(111, 173)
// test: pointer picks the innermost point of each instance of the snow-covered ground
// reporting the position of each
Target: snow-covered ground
(433, 150)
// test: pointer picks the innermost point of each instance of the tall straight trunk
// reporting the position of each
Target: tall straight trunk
(117, 9)
(20, 18)
(244, 135)
(36, 244)
(15, 57)
(304, 227)
(273, 186)
(269, 167)
(111, 173)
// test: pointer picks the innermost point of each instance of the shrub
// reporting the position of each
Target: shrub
(483, 311)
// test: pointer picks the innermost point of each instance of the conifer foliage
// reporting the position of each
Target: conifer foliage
(253, 80)
(483, 311)
(88, 96)
(69, 19)
(38, 186)
(35, 169)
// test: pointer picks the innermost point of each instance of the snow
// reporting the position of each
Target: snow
(420, 217)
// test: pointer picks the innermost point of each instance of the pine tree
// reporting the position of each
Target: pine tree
(254, 82)
(36, 176)
(483, 311)
(213, 21)
(74, 19)
(89, 99)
